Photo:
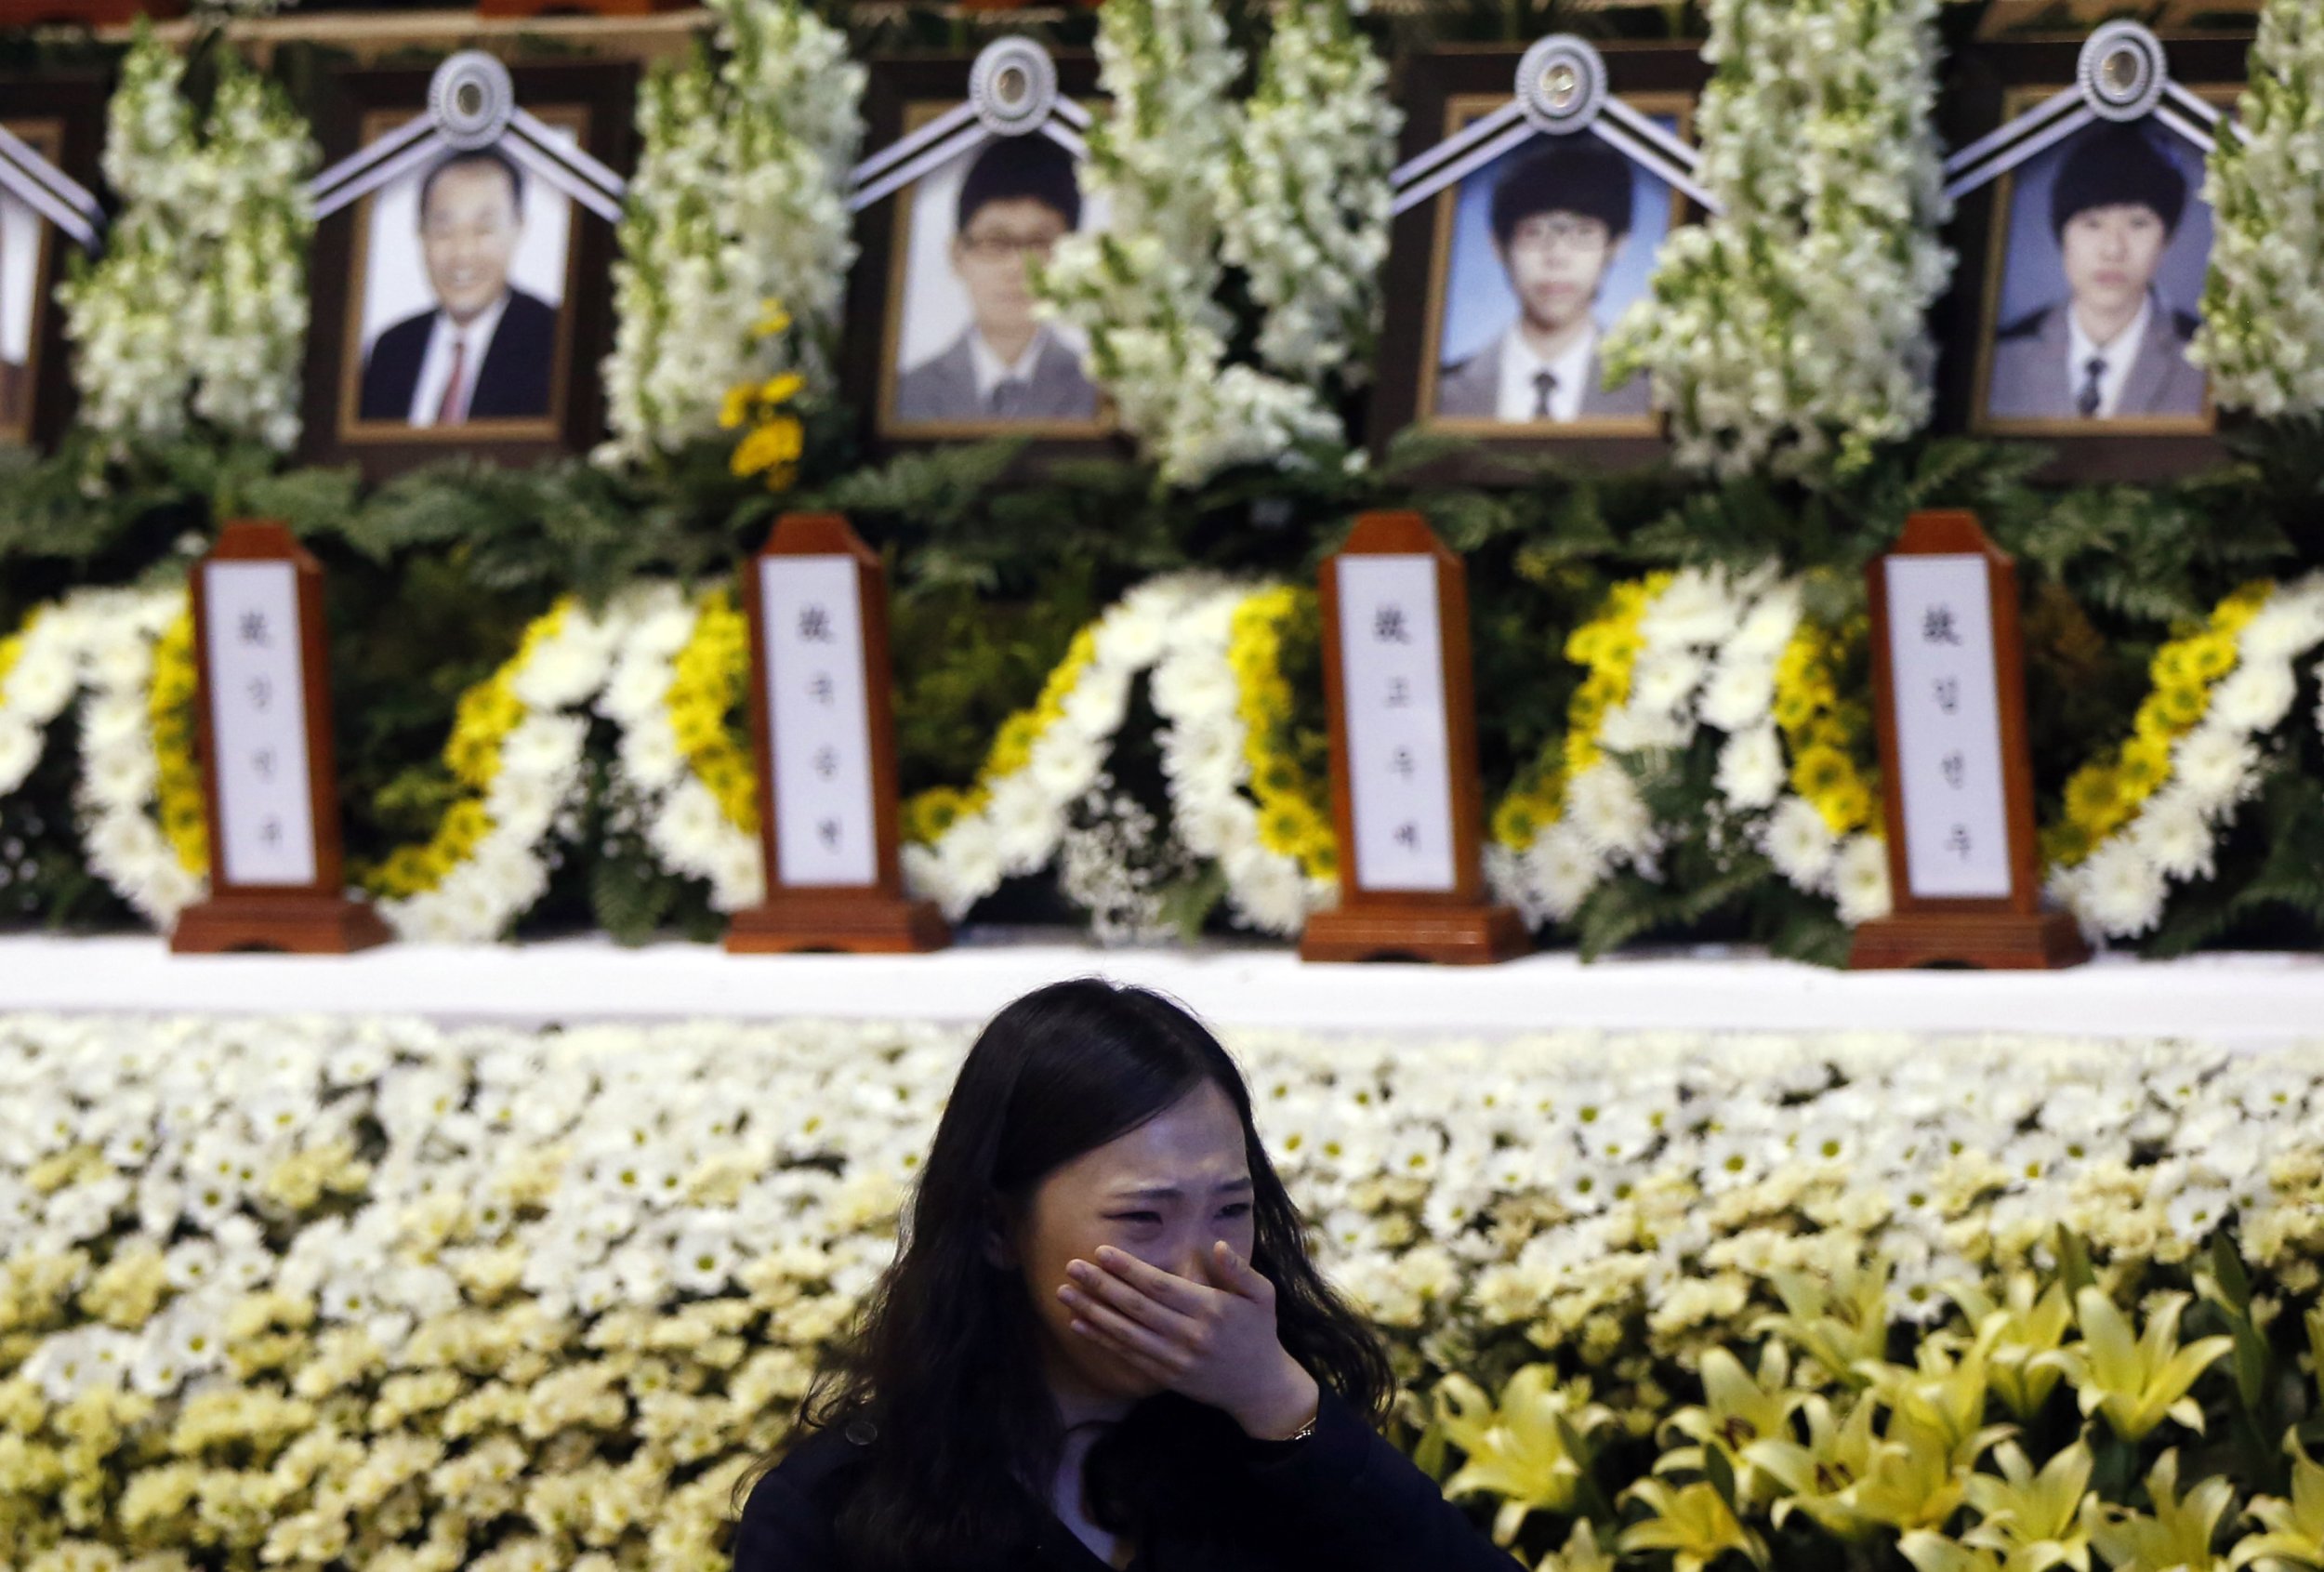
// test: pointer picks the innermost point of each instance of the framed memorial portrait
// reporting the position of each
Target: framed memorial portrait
(942, 340)
(1525, 249)
(462, 301)
(50, 139)
(2084, 242)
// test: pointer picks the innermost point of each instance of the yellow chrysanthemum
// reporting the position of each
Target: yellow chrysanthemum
(770, 449)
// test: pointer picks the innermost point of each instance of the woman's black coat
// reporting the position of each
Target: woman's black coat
(1341, 1500)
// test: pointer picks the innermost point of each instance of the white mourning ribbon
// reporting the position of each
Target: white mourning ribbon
(2121, 74)
(1560, 90)
(26, 175)
(472, 104)
(1012, 92)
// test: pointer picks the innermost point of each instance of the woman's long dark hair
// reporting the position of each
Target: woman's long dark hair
(944, 1357)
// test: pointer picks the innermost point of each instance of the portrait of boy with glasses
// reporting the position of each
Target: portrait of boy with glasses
(1017, 197)
(1560, 215)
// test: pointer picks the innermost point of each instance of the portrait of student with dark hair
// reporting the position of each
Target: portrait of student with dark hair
(2114, 348)
(1560, 217)
(485, 350)
(1101, 1342)
(1018, 198)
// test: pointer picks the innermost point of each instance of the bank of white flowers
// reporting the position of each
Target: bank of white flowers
(198, 308)
(1145, 290)
(1789, 331)
(738, 204)
(311, 1293)
(2262, 332)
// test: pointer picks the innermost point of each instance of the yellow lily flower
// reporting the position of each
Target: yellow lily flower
(772, 447)
(781, 387)
(2138, 1382)
(1695, 1524)
(2176, 1538)
(1840, 1322)
(2029, 1322)
(1940, 1393)
(773, 319)
(735, 408)
(1932, 1551)
(2316, 1349)
(2033, 1519)
(1854, 1482)
(2295, 1528)
(1581, 1553)
(1740, 1409)
(1517, 1450)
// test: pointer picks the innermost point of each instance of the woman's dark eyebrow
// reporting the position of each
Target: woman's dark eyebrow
(1171, 1192)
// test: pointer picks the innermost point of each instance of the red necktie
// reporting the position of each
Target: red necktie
(454, 409)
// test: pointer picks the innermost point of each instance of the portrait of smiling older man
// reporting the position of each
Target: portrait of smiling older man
(485, 350)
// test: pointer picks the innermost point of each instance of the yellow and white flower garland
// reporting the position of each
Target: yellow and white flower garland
(518, 752)
(1223, 704)
(2154, 814)
(121, 791)
(679, 670)
(40, 672)
(960, 845)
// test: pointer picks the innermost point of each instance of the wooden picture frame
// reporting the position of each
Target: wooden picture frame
(316, 916)
(1458, 923)
(872, 916)
(901, 95)
(1989, 84)
(63, 118)
(1441, 90)
(2010, 932)
(596, 100)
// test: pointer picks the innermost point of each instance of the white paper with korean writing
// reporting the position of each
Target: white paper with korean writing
(818, 722)
(1948, 727)
(258, 697)
(1391, 683)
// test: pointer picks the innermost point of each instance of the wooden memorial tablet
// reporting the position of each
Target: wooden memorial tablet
(823, 728)
(1949, 703)
(1406, 799)
(270, 787)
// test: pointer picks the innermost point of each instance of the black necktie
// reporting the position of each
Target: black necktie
(1544, 384)
(2087, 401)
(1007, 396)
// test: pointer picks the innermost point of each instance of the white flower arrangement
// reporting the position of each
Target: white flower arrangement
(2119, 889)
(1206, 763)
(682, 819)
(1791, 329)
(198, 308)
(582, 1276)
(118, 791)
(40, 675)
(1304, 192)
(2263, 329)
(1021, 817)
(534, 782)
(738, 204)
(1144, 290)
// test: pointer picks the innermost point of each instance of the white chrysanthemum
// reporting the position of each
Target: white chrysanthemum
(2214, 765)
(1860, 880)
(2174, 835)
(1800, 843)
(2121, 889)
(2256, 696)
(1739, 690)
(1751, 768)
(1603, 805)
(1564, 867)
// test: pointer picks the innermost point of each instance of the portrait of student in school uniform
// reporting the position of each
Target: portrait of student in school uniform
(462, 299)
(2107, 246)
(968, 351)
(1549, 244)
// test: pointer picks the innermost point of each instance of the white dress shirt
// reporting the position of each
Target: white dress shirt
(991, 370)
(2119, 355)
(435, 366)
(1519, 397)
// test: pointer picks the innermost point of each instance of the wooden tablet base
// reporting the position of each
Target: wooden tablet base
(856, 924)
(296, 922)
(1447, 935)
(1991, 941)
